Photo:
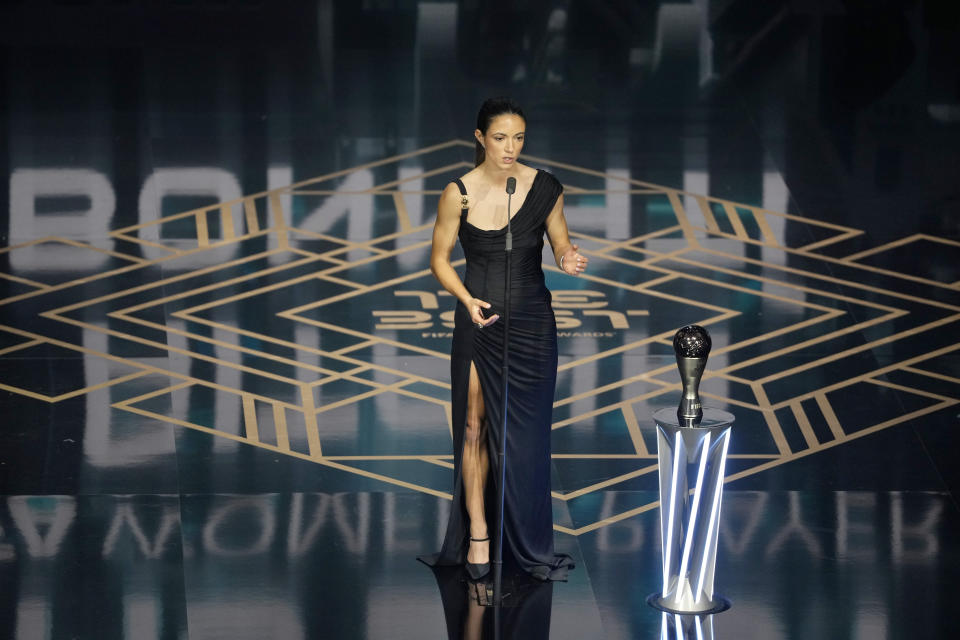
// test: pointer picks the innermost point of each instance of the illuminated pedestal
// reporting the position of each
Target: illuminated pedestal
(690, 458)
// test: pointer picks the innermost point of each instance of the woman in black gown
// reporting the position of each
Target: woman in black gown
(474, 209)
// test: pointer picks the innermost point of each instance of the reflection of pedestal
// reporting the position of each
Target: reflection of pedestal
(686, 627)
(689, 521)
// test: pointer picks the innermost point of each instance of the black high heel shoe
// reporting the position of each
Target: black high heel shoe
(478, 571)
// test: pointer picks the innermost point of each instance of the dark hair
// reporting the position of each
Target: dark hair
(490, 109)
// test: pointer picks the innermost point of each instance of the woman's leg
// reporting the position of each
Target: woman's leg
(474, 468)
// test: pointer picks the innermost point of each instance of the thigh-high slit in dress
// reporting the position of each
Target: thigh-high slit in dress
(528, 517)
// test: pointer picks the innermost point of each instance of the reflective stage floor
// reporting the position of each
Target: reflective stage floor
(224, 362)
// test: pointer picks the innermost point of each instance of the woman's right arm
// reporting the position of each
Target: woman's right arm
(444, 238)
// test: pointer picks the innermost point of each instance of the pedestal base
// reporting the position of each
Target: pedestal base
(716, 605)
(691, 461)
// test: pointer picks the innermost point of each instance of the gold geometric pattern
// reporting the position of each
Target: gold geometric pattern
(308, 317)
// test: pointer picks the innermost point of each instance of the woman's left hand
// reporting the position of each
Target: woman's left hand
(572, 262)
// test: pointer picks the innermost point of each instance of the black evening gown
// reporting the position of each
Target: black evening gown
(528, 517)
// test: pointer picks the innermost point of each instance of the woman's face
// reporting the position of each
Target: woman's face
(503, 140)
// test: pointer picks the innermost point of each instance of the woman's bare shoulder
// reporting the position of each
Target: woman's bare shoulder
(450, 194)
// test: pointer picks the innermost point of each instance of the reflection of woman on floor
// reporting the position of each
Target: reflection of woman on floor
(469, 612)
(476, 608)
(474, 209)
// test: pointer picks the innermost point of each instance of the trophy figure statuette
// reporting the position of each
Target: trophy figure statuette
(691, 345)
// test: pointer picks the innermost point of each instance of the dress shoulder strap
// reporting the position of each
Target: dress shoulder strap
(463, 192)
